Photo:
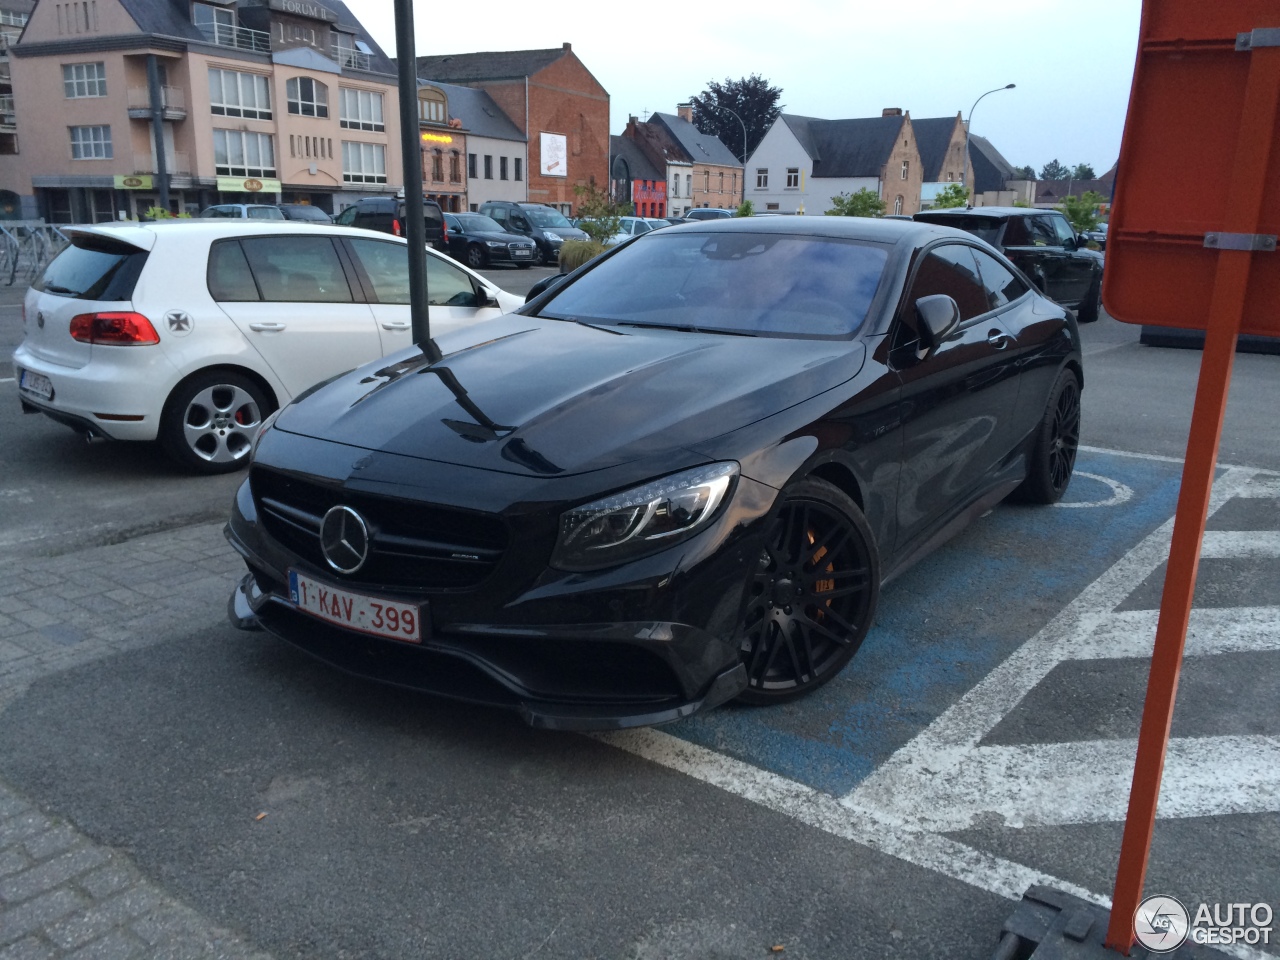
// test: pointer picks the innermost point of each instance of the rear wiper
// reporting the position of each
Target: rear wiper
(54, 288)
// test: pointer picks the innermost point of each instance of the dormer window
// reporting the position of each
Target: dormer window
(307, 97)
(432, 106)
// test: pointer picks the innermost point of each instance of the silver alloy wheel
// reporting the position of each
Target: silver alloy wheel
(220, 423)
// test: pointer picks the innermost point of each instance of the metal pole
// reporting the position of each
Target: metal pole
(964, 171)
(156, 96)
(415, 230)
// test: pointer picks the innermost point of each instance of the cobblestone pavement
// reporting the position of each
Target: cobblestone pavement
(61, 894)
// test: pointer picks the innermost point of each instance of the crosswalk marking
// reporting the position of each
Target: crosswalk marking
(1213, 630)
(1241, 545)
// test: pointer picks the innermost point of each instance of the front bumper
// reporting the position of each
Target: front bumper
(646, 643)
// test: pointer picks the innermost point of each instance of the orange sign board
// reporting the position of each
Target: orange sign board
(1177, 203)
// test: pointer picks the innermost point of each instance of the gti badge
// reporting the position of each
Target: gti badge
(179, 322)
(344, 539)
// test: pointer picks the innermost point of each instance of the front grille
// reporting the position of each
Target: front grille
(413, 545)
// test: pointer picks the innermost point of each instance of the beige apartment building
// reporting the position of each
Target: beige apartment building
(226, 101)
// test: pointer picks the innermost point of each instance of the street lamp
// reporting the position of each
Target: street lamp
(744, 148)
(965, 170)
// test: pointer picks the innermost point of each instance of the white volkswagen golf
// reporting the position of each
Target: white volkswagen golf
(192, 332)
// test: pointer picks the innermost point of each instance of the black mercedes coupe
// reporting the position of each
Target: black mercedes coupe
(677, 478)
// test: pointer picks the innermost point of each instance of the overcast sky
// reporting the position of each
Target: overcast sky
(1072, 61)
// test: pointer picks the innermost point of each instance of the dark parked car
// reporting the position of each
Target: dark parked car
(478, 241)
(709, 213)
(1042, 244)
(304, 212)
(243, 211)
(386, 215)
(545, 226)
(1097, 235)
(676, 478)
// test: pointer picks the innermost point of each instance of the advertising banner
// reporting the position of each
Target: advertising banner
(555, 155)
(138, 181)
(248, 185)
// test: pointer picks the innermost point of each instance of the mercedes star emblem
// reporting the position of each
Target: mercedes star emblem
(344, 539)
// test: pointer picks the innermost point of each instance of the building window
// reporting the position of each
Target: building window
(432, 107)
(897, 204)
(735, 183)
(502, 168)
(364, 162)
(437, 165)
(361, 110)
(307, 97)
(793, 176)
(471, 166)
(675, 185)
(84, 80)
(762, 178)
(91, 143)
(688, 184)
(720, 188)
(519, 169)
(906, 166)
(949, 176)
(488, 167)
(706, 181)
(233, 94)
(237, 153)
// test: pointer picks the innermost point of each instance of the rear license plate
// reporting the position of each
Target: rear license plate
(37, 384)
(361, 612)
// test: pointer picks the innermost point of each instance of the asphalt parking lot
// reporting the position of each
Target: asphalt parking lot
(172, 787)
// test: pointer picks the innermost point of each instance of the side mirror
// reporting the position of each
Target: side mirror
(543, 285)
(485, 297)
(937, 317)
(1072, 244)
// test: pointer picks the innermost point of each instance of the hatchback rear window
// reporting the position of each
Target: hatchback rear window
(93, 268)
(984, 228)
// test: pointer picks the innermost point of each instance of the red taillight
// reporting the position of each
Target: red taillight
(395, 227)
(119, 329)
(444, 231)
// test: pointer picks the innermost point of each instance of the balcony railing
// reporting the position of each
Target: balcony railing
(7, 39)
(242, 38)
(179, 164)
(351, 59)
(173, 99)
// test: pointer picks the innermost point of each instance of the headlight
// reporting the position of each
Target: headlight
(642, 520)
(553, 236)
(266, 425)
(494, 243)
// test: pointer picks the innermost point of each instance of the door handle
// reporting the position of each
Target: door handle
(396, 325)
(998, 339)
(263, 327)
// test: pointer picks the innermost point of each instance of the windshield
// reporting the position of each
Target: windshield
(475, 223)
(754, 283)
(545, 217)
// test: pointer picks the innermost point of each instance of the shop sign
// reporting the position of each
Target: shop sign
(303, 8)
(139, 181)
(248, 185)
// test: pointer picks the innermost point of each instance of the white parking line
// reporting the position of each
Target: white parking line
(6, 379)
(1213, 630)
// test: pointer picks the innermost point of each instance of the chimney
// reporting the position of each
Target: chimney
(567, 47)
(685, 111)
(891, 112)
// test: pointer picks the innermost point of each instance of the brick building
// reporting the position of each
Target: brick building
(699, 169)
(554, 101)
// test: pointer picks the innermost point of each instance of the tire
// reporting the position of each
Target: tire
(210, 421)
(476, 257)
(1091, 306)
(813, 596)
(1053, 452)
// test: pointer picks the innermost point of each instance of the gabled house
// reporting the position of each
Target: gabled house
(554, 102)
(699, 169)
(635, 179)
(940, 141)
(804, 162)
(994, 183)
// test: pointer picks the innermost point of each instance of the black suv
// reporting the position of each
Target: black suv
(1042, 244)
(386, 215)
(545, 226)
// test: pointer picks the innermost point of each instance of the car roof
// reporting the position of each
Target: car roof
(873, 229)
(144, 235)
(992, 212)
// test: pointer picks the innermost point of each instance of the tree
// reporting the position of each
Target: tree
(601, 216)
(1053, 170)
(751, 98)
(1082, 212)
(1083, 171)
(952, 195)
(1024, 173)
(864, 203)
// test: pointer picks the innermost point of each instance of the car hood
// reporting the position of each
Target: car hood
(546, 398)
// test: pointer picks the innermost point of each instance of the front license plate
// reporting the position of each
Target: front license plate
(376, 616)
(36, 383)
(522, 252)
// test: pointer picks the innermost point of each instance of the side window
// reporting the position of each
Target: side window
(297, 269)
(950, 270)
(387, 267)
(1016, 232)
(1042, 233)
(347, 216)
(499, 214)
(447, 286)
(1063, 230)
(1002, 285)
(229, 276)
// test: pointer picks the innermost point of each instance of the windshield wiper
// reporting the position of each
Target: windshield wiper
(667, 326)
(582, 323)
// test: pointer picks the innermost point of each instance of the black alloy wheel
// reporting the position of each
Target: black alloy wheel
(812, 598)
(476, 257)
(1053, 456)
